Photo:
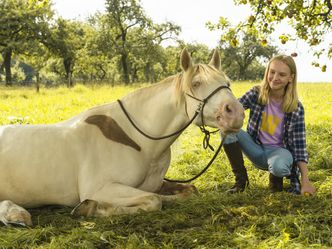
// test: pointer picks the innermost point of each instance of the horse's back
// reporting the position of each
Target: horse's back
(20, 142)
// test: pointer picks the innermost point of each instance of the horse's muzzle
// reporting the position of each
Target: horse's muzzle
(230, 117)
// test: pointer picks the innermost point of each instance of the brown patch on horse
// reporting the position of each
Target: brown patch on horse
(173, 188)
(110, 128)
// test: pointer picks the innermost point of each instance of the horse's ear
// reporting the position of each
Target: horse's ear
(185, 60)
(215, 60)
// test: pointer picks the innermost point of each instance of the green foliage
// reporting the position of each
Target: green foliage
(128, 33)
(212, 219)
(17, 73)
(242, 62)
(311, 21)
(123, 45)
(22, 23)
(65, 40)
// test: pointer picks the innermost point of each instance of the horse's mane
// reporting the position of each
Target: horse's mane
(182, 82)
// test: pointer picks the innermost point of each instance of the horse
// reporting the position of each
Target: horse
(105, 160)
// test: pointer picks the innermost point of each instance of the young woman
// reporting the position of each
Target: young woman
(275, 139)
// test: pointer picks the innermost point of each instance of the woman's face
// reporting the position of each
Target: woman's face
(279, 75)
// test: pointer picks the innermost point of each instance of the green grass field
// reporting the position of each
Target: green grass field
(212, 219)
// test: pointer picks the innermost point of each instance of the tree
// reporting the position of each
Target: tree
(122, 16)
(91, 62)
(199, 52)
(21, 21)
(147, 56)
(65, 40)
(125, 17)
(310, 19)
(37, 58)
(241, 62)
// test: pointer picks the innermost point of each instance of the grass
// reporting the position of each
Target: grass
(212, 219)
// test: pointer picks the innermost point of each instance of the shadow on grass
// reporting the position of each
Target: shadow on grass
(211, 219)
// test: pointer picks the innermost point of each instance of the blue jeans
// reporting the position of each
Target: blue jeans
(276, 160)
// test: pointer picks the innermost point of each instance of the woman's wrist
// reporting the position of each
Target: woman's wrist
(305, 180)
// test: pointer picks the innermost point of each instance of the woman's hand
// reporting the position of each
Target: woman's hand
(307, 188)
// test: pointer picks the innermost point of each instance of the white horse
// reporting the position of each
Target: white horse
(98, 162)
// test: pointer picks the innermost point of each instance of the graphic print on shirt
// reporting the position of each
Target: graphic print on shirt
(270, 123)
(271, 129)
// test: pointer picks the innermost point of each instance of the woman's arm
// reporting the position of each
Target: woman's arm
(249, 98)
(306, 186)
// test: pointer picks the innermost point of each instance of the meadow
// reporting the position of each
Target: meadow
(255, 218)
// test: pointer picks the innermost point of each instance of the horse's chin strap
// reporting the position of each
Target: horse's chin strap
(200, 109)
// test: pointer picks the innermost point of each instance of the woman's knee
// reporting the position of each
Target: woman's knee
(240, 136)
(231, 138)
(280, 168)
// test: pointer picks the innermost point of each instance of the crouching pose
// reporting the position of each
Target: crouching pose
(275, 139)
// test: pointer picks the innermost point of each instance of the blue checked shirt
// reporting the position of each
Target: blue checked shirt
(294, 138)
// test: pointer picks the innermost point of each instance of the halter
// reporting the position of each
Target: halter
(200, 110)
(207, 133)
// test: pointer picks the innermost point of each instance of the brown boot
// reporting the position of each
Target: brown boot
(275, 183)
(235, 157)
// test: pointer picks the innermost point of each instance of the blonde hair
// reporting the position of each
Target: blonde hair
(290, 101)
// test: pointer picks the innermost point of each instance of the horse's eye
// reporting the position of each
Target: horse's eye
(196, 84)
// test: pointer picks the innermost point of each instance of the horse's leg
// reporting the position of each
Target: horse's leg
(178, 189)
(115, 199)
(10, 213)
(170, 191)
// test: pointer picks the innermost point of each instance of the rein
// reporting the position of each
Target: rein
(203, 170)
(151, 137)
(207, 133)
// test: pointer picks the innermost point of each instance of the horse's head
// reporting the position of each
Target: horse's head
(208, 86)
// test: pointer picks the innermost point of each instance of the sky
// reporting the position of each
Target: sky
(192, 16)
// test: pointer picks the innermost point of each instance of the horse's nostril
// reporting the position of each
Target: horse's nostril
(228, 109)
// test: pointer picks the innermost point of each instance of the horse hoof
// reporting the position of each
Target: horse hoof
(17, 219)
(190, 190)
(12, 214)
(21, 218)
(85, 208)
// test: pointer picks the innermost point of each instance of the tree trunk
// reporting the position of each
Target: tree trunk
(37, 82)
(134, 77)
(67, 64)
(2, 70)
(70, 79)
(242, 70)
(101, 75)
(7, 58)
(147, 72)
(125, 68)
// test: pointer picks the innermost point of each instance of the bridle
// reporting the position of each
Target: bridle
(200, 110)
(207, 133)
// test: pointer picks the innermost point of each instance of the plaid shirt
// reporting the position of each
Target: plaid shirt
(294, 138)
